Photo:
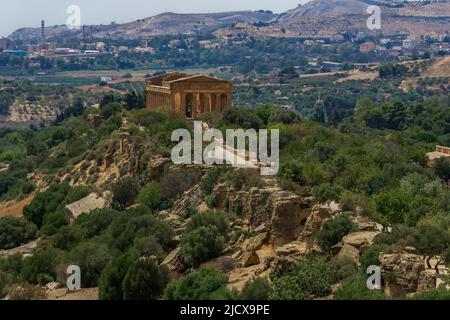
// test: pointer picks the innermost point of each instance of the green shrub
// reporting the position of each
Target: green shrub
(151, 196)
(176, 182)
(257, 289)
(15, 232)
(40, 268)
(211, 179)
(334, 230)
(92, 258)
(326, 192)
(371, 256)
(242, 117)
(96, 222)
(124, 192)
(440, 293)
(291, 175)
(145, 280)
(210, 201)
(355, 288)
(309, 278)
(12, 265)
(68, 237)
(138, 223)
(244, 179)
(5, 281)
(149, 247)
(111, 279)
(205, 284)
(45, 203)
(202, 244)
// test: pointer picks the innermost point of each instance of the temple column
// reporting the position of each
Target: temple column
(196, 107)
(218, 106)
(210, 105)
(183, 103)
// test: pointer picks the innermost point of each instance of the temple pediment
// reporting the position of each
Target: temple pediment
(199, 78)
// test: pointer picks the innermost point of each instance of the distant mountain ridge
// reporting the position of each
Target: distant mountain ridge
(165, 23)
(317, 17)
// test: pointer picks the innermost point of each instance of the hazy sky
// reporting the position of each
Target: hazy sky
(29, 13)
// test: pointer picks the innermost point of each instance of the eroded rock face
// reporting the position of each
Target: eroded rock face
(319, 215)
(401, 273)
(156, 166)
(350, 252)
(282, 213)
(175, 261)
(192, 197)
(293, 250)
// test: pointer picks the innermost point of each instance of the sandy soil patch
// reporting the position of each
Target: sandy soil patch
(14, 208)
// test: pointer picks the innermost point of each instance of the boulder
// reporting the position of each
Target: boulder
(86, 205)
(256, 242)
(293, 250)
(360, 240)
(175, 261)
(349, 252)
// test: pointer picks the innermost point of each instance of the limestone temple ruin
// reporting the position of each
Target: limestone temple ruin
(189, 95)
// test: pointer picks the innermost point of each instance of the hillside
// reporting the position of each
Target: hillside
(165, 23)
(439, 68)
(318, 8)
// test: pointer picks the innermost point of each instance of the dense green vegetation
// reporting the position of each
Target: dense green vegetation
(371, 160)
(15, 232)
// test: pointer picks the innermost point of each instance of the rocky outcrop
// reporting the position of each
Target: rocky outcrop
(360, 240)
(175, 261)
(404, 273)
(86, 205)
(349, 252)
(293, 250)
(25, 250)
(319, 215)
(191, 198)
(156, 166)
(249, 256)
(282, 213)
(365, 224)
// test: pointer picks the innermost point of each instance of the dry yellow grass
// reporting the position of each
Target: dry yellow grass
(14, 208)
(439, 68)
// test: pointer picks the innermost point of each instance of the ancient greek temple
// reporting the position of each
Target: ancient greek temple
(189, 95)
